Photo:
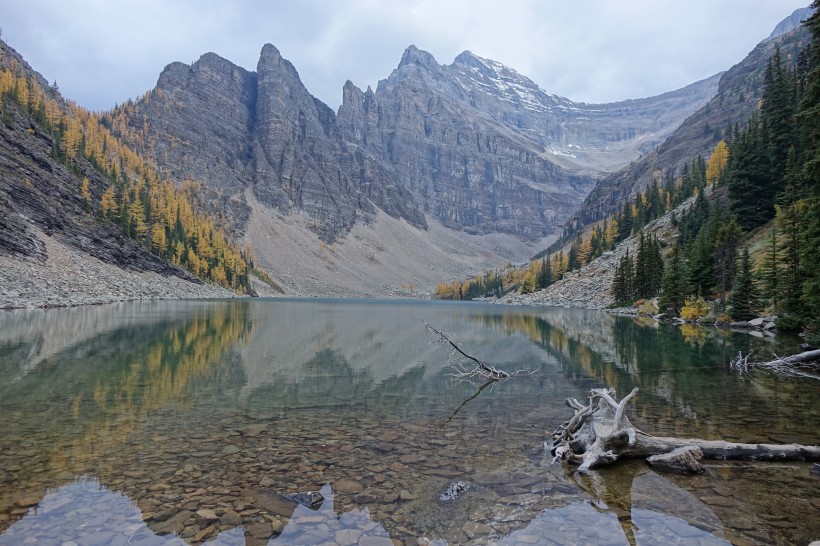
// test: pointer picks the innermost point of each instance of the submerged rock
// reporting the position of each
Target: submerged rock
(455, 490)
(311, 499)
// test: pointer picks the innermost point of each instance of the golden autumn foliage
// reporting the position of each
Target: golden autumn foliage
(85, 191)
(145, 204)
(717, 162)
(694, 309)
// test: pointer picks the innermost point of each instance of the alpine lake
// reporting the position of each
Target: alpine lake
(256, 422)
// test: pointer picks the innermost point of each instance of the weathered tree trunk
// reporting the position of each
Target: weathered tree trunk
(600, 433)
(805, 356)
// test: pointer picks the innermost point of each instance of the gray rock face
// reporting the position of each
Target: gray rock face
(294, 158)
(792, 22)
(197, 123)
(231, 129)
(473, 144)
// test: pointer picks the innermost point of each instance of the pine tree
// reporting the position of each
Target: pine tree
(623, 281)
(544, 274)
(624, 223)
(728, 238)
(770, 272)
(85, 192)
(574, 253)
(808, 117)
(751, 191)
(743, 302)
(777, 113)
(701, 257)
(790, 220)
(108, 203)
(673, 292)
(640, 281)
(655, 264)
(717, 162)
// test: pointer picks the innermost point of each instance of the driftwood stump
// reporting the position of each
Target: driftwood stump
(600, 433)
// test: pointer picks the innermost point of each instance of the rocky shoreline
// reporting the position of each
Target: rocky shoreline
(69, 277)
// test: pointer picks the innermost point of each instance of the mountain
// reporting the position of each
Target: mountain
(441, 171)
(485, 150)
(474, 145)
(737, 98)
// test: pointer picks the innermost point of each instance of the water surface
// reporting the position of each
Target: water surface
(191, 422)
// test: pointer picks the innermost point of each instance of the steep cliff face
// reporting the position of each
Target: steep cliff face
(295, 164)
(474, 145)
(197, 123)
(232, 129)
(466, 169)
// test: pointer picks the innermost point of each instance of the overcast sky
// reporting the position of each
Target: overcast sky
(103, 52)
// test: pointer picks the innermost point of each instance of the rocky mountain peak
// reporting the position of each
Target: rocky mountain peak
(173, 72)
(415, 56)
(269, 54)
(470, 59)
(479, 75)
(272, 65)
(790, 23)
(350, 93)
(490, 68)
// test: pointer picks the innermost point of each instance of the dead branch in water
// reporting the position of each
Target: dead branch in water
(599, 433)
(475, 373)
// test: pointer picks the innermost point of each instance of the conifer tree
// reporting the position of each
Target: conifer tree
(808, 117)
(624, 222)
(673, 286)
(790, 220)
(574, 254)
(751, 191)
(728, 238)
(777, 113)
(743, 302)
(717, 162)
(544, 274)
(770, 272)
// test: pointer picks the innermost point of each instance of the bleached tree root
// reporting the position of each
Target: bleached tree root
(600, 433)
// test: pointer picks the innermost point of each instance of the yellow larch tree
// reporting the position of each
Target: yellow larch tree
(85, 191)
(72, 137)
(158, 239)
(108, 203)
(717, 162)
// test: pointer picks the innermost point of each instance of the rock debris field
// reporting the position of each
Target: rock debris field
(70, 277)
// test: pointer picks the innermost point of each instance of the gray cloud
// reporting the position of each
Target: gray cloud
(102, 53)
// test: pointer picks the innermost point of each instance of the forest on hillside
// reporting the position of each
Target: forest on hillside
(130, 193)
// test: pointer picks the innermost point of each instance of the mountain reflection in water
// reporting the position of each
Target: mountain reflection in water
(86, 512)
(181, 407)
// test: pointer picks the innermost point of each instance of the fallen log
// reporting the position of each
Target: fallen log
(599, 433)
(805, 364)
